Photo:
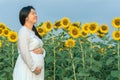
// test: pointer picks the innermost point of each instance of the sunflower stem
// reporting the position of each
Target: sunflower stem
(91, 56)
(118, 59)
(83, 57)
(73, 65)
(118, 56)
(57, 33)
(54, 63)
(12, 55)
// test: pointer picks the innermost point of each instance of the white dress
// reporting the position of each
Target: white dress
(27, 61)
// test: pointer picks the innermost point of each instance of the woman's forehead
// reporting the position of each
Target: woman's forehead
(32, 10)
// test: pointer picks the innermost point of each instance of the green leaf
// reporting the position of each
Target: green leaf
(95, 69)
(66, 78)
(49, 59)
(115, 73)
(92, 78)
(109, 61)
(83, 74)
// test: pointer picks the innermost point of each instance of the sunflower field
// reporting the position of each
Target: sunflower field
(74, 50)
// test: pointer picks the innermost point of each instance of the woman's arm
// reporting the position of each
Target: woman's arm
(39, 51)
(24, 51)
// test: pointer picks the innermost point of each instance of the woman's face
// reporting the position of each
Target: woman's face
(32, 17)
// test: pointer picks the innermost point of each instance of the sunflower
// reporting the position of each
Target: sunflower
(41, 31)
(0, 43)
(93, 27)
(116, 22)
(116, 35)
(1, 32)
(65, 22)
(60, 49)
(102, 50)
(104, 28)
(6, 32)
(58, 44)
(110, 46)
(70, 43)
(57, 24)
(100, 35)
(77, 24)
(84, 34)
(74, 31)
(47, 26)
(2, 26)
(12, 36)
(85, 27)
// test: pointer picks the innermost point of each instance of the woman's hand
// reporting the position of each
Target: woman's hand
(38, 51)
(37, 70)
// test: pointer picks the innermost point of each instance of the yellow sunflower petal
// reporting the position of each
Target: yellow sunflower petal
(1, 32)
(74, 31)
(0, 43)
(65, 22)
(13, 36)
(6, 32)
(47, 26)
(84, 34)
(100, 35)
(2, 26)
(85, 27)
(70, 43)
(116, 22)
(93, 27)
(41, 31)
(104, 28)
(57, 24)
(77, 24)
(116, 35)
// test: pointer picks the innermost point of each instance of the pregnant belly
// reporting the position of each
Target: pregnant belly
(38, 59)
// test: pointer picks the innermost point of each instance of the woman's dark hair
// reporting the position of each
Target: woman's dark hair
(24, 12)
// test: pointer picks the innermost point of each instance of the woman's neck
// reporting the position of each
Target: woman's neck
(30, 26)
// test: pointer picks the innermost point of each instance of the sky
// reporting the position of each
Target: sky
(100, 11)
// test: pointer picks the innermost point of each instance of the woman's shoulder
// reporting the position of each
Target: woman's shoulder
(23, 30)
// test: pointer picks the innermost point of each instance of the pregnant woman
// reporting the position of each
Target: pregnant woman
(30, 62)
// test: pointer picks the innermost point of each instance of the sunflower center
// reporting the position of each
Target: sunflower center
(75, 25)
(40, 30)
(2, 27)
(86, 28)
(58, 24)
(48, 25)
(70, 43)
(104, 28)
(117, 22)
(117, 35)
(65, 22)
(74, 31)
(13, 37)
(83, 33)
(6, 32)
(92, 27)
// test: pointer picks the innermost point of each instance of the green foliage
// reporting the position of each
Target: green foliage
(87, 60)
(8, 56)
(92, 60)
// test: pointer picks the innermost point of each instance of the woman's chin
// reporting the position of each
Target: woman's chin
(35, 22)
